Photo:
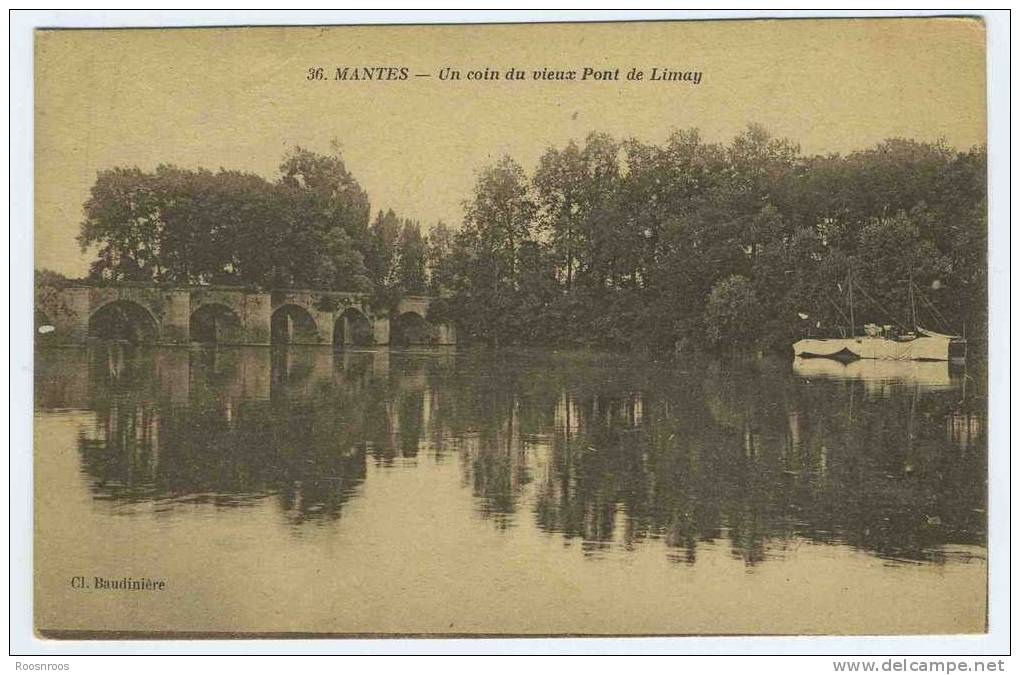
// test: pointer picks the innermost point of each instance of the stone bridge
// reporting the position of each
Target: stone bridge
(229, 315)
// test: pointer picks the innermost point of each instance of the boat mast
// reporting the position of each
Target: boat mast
(850, 287)
(913, 309)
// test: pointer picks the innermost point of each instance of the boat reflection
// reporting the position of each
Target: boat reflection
(878, 373)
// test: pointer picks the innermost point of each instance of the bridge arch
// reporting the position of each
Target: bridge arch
(409, 328)
(215, 322)
(123, 321)
(293, 324)
(352, 327)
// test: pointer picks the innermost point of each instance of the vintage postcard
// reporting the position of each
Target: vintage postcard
(623, 328)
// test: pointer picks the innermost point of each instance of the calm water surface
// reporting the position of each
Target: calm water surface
(468, 491)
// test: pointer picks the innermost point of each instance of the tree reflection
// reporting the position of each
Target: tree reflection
(744, 452)
(222, 447)
(603, 451)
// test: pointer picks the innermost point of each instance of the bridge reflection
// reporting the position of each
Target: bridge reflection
(600, 452)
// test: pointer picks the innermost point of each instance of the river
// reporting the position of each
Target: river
(465, 491)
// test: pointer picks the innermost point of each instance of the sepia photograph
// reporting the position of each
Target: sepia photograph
(635, 328)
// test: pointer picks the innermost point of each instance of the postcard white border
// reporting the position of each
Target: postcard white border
(24, 642)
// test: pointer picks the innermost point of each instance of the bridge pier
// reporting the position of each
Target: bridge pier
(381, 330)
(77, 322)
(175, 323)
(256, 319)
(325, 324)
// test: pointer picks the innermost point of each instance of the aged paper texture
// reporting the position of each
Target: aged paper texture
(639, 328)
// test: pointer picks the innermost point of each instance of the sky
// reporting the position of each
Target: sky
(240, 98)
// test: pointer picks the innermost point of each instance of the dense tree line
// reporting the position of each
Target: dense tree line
(609, 243)
(309, 228)
(626, 244)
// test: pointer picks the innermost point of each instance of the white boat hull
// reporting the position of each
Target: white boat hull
(925, 348)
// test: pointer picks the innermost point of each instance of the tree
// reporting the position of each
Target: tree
(795, 283)
(216, 227)
(560, 182)
(609, 243)
(327, 221)
(669, 233)
(184, 226)
(381, 252)
(732, 313)
(439, 256)
(333, 198)
(411, 259)
(892, 255)
(122, 218)
(498, 220)
(500, 213)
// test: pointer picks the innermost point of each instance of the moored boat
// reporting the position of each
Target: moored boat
(885, 342)
(921, 346)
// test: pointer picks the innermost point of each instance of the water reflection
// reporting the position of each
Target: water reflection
(602, 451)
(879, 375)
